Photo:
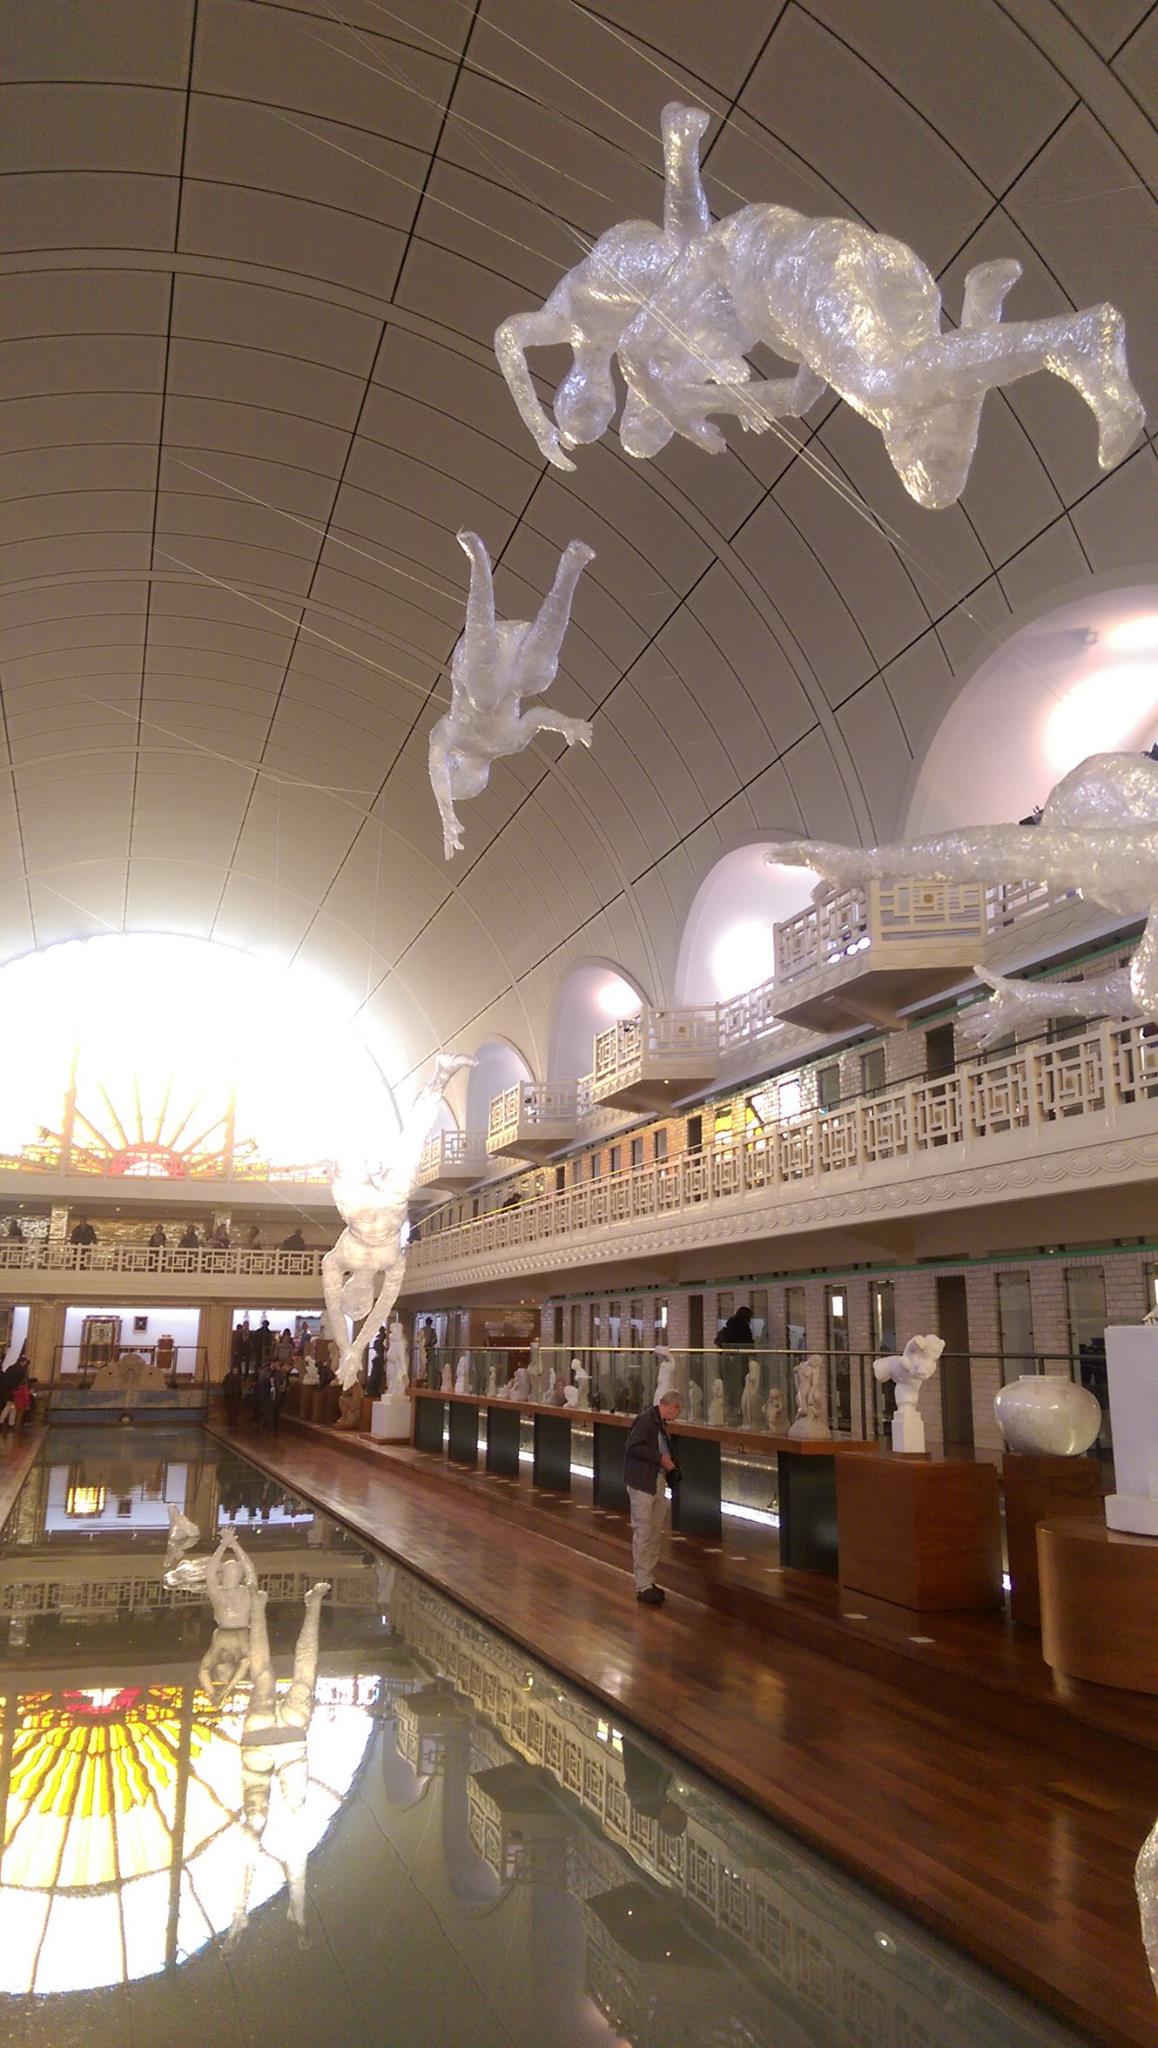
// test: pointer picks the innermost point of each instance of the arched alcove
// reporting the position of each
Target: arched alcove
(591, 996)
(1081, 680)
(726, 945)
(498, 1065)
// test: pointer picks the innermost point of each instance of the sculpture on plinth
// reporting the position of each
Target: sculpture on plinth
(751, 1405)
(519, 1387)
(909, 1371)
(1098, 833)
(682, 307)
(774, 1411)
(808, 1379)
(492, 1381)
(397, 1363)
(667, 1378)
(496, 664)
(582, 1381)
(350, 1406)
(462, 1375)
(716, 1414)
(362, 1274)
(446, 1379)
(695, 1402)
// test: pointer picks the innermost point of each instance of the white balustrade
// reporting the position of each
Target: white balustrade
(44, 1255)
(1108, 1074)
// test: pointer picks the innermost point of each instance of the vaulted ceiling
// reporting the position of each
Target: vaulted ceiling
(254, 256)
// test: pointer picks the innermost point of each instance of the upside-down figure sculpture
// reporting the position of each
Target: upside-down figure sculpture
(361, 1276)
(680, 308)
(1098, 833)
(496, 664)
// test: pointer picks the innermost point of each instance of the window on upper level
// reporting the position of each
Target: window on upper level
(659, 1144)
(872, 1070)
(616, 1159)
(1014, 1324)
(828, 1087)
(940, 1052)
(637, 1151)
(789, 1097)
(695, 1137)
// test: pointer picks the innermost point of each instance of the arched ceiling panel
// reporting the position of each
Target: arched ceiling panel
(253, 259)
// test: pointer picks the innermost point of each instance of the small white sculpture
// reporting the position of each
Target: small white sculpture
(1098, 833)
(808, 1377)
(858, 312)
(495, 665)
(492, 1381)
(310, 1377)
(915, 1364)
(1146, 1885)
(397, 1367)
(446, 1381)
(582, 1380)
(520, 1386)
(570, 1397)
(665, 1379)
(751, 1406)
(362, 1274)
(419, 1354)
(462, 1376)
(560, 1395)
(774, 1411)
(716, 1416)
(695, 1402)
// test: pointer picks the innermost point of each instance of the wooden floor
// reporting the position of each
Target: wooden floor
(1015, 1842)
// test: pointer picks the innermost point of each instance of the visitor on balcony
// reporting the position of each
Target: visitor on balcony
(734, 1339)
(220, 1241)
(158, 1241)
(295, 1242)
(14, 1231)
(253, 1239)
(189, 1241)
(82, 1232)
(649, 1467)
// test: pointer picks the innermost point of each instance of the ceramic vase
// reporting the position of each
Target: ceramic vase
(1047, 1415)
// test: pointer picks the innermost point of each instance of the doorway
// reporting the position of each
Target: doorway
(956, 1370)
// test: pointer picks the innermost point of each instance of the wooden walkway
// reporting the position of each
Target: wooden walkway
(1015, 1842)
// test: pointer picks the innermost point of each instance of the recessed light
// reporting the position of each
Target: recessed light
(1133, 636)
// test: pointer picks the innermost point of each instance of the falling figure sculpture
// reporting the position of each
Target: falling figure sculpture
(1098, 833)
(858, 312)
(362, 1274)
(496, 664)
(273, 1750)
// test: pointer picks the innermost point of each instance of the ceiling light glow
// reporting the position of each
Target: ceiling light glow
(1133, 636)
(1103, 712)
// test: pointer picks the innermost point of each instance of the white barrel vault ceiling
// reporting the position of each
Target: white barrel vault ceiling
(254, 255)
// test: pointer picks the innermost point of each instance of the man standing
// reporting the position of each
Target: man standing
(648, 1466)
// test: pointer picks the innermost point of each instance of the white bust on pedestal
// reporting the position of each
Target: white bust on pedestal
(1132, 1371)
(916, 1364)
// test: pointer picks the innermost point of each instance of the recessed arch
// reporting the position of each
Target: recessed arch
(726, 943)
(498, 1065)
(1077, 679)
(593, 994)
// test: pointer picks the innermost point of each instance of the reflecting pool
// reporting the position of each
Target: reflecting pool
(274, 1789)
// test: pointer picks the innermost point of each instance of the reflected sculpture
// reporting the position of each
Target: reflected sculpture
(1146, 1882)
(1098, 833)
(858, 312)
(496, 664)
(273, 1750)
(361, 1275)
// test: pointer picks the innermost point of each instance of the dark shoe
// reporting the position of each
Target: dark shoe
(651, 1597)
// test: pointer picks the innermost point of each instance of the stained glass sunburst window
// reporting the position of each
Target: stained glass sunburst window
(123, 1850)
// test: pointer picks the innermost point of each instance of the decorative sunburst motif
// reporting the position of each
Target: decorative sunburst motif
(123, 1842)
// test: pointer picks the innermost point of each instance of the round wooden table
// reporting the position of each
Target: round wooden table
(1099, 1603)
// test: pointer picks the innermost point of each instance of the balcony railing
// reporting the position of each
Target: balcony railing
(451, 1158)
(543, 1113)
(216, 1166)
(1099, 1077)
(888, 914)
(43, 1255)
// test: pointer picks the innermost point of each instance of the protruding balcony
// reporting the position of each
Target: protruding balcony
(533, 1119)
(452, 1159)
(864, 954)
(647, 1061)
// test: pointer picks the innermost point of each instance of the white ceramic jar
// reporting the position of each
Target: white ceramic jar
(1047, 1415)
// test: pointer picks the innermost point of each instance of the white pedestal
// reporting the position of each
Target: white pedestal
(391, 1419)
(1132, 1367)
(908, 1431)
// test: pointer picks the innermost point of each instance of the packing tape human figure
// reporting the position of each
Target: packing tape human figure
(1098, 833)
(858, 312)
(362, 1274)
(497, 663)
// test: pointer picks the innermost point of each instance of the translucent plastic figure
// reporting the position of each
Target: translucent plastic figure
(496, 664)
(1098, 833)
(857, 311)
(361, 1276)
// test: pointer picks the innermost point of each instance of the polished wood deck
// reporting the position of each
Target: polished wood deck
(1014, 1845)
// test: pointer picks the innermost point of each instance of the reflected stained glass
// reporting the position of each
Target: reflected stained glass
(100, 1783)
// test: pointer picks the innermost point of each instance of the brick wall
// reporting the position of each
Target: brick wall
(984, 1347)
(916, 1306)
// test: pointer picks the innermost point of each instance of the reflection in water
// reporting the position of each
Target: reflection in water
(1146, 1879)
(480, 1856)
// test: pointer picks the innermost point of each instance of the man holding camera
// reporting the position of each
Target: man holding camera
(649, 1467)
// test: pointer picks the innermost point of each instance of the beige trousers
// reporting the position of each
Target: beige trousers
(649, 1522)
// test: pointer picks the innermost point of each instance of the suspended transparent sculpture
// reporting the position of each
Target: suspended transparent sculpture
(1098, 833)
(361, 1276)
(680, 307)
(496, 664)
